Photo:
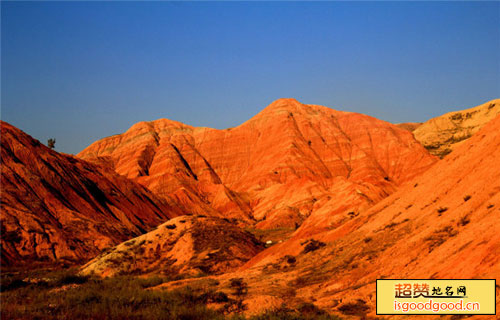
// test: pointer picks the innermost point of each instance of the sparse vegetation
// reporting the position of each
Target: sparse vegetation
(313, 245)
(442, 209)
(391, 225)
(464, 220)
(467, 198)
(394, 223)
(51, 143)
(129, 243)
(290, 259)
(356, 308)
(456, 117)
(443, 153)
(455, 139)
(440, 236)
(305, 311)
(240, 290)
(431, 147)
(352, 214)
(64, 294)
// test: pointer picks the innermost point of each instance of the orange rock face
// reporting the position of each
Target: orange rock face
(57, 207)
(409, 126)
(443, 224)
(273, 170)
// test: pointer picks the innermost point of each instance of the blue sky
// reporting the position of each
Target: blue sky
(80, 71)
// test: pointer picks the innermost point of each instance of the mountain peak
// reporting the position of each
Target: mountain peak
(274, 167)
(289, 105)
(284, 103)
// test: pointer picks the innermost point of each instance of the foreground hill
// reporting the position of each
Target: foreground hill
(58, 208)
(273, 170)
(184, 246)
(443, 134)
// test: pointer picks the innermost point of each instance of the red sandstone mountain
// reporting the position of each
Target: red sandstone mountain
(443, 224)
(274, 170)
(58, 208)
(325, 171)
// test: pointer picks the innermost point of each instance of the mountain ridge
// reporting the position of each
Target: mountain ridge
(56, 207)
(250, 172)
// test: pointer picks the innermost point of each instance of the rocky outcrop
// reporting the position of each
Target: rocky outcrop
(443, 134)
(58, 208)
(184, 246)
(273, 170)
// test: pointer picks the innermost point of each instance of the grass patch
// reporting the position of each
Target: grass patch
(63, 294)
(113, 298)
(305, 311)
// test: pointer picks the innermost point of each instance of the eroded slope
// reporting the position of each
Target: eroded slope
(184, 246)
(273, 170)
(59, 208)
(443, 224)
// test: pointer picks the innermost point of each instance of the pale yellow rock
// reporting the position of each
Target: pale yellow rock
(443, 134)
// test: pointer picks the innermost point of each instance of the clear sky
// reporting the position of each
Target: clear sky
(81, 71)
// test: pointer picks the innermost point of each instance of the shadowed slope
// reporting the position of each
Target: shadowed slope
(56, 207)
